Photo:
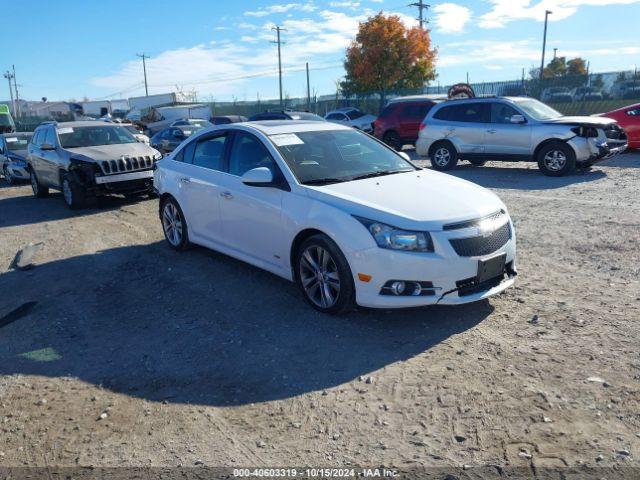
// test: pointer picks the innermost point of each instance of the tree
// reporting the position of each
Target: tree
(555, 68)
(387, 56)
(577, 66)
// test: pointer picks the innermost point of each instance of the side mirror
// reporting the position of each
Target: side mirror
(258, 177)
(47, 146)
(405, 156)
(518, 119)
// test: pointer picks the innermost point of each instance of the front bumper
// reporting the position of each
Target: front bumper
(124, 177)
(592, 150)
(444, 269)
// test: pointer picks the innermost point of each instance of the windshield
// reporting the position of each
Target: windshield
(76, 137)
(18, 142)
(323, 157)
(355, 114)
(538, 110)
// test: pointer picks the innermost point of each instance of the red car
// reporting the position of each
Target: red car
(628, 118)
(399, 123)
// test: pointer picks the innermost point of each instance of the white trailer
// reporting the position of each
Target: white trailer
(142, 103)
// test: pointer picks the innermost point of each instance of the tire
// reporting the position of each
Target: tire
(393, 140)
(174, 225)
(556, 159)
(443, 156)
(75, 195)
(39, 190)
(477, 163)
(319, 257)
(7, 176)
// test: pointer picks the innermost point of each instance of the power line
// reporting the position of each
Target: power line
(421, 8)
(8, 75)
(144, 68)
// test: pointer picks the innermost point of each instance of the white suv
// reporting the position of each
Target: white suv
(516, 129)
(339, 213)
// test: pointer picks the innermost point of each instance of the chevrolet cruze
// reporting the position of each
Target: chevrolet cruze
(348, 219)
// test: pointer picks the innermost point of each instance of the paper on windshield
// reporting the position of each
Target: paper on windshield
(63, 130)
(12, 139)
(285, 139)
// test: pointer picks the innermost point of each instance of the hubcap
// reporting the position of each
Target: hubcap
(7, 175)
(66, 191)
(319, 276)
(555, 160)
(442, 157)
(172, 224)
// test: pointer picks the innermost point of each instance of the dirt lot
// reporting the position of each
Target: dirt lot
(117, 351)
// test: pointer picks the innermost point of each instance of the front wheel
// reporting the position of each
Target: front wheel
(8, 177)
(324, 277)
(443, 156)
(39, 191)
(556, 159)
(393, 140)
(75, 196)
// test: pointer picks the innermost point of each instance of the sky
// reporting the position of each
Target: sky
(223, 49)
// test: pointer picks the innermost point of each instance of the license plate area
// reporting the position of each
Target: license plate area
(491, 268)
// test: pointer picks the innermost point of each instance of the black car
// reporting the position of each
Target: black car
(227, 119)
(168, 139)
(286, 115)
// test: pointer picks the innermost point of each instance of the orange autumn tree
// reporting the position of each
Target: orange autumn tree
(387, 56)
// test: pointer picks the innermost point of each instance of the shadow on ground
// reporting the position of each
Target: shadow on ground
(28, 210)
(198, 327)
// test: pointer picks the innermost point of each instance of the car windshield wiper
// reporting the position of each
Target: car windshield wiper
(323, 181)
(379, 174)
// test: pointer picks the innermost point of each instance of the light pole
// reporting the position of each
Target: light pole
(544, 40)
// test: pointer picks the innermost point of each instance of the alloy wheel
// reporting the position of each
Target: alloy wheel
(34, 183)
(319, 276)
(172, 224)
(7, 175)
(442, 157)
(555, 160)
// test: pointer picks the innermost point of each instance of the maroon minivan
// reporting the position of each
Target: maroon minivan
(399, 123)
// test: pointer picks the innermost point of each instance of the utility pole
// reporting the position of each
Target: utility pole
(8, 75)
(308, 90)
(144, 69)
(15, 89)
(544, 40)
(278, 30)
(421, 8)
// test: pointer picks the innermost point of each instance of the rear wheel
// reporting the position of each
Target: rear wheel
(443, 156)
(39, 191)
(393, 140)
(556, 159)
(174, 225)
(74, 194)
(324, 277)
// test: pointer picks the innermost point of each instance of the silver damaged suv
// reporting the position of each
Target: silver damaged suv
(87, 159)
(516, 129)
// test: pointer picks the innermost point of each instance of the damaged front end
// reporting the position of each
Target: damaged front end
(594, 143)
(89, 175)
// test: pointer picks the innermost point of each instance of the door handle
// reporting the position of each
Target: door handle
(226, 195)
(491, 131)
(184, 180)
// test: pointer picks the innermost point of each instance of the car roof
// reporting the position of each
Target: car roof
(80, 123)
(16, 133)
(274, 127)
(418, 98)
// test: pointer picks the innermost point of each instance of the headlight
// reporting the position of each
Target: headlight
(157, 156)
(394, 238)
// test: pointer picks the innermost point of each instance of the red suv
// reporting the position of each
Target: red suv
(399, 122)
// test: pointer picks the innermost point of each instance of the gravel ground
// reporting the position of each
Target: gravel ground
(117, 351)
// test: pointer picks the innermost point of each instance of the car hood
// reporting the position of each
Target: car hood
(590, 121)
(365, 120)
(18, 154)
(423, 200)
(110, 152)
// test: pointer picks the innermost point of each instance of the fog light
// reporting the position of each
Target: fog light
(398, 288)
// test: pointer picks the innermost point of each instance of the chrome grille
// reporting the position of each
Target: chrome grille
(474, 223)
(482, 245)
(126, 164)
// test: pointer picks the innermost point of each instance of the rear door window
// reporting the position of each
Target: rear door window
(209, 152)
(469, 113)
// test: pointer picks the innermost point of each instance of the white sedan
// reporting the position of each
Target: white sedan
(352, 117)
(351, 221)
